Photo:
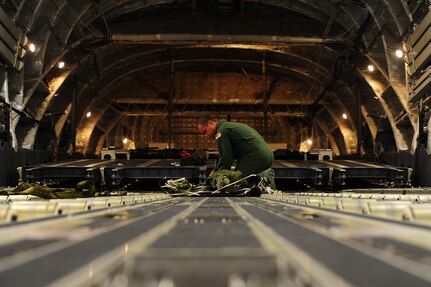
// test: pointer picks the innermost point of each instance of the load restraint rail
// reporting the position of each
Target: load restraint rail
(325, 172)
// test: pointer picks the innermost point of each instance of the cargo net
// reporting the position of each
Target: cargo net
(223, 183)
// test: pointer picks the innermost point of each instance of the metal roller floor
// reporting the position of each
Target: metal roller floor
(276, 240)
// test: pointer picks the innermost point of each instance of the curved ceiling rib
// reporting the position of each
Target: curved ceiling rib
(134, 59)
(106, 41)
(107, 89)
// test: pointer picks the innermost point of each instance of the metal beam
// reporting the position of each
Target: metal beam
(171, 97)
(74, 113)
(176, 39)
(198, 109)
(265, 96)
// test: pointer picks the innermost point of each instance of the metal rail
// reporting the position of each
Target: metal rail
(333, 172)
(214, 241)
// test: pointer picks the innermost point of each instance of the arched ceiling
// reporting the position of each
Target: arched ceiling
(147, 68)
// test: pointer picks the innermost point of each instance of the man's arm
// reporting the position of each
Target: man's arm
(225, 152)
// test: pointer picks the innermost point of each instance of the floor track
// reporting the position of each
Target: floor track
(216, 241)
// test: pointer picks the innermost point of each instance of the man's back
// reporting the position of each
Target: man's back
(242, 142)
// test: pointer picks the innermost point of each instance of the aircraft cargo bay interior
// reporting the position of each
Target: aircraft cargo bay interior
(237, 143)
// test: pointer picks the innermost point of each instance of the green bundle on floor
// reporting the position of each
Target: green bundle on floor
(220, 183)
(83, 189)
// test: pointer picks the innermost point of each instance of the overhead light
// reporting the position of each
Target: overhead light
(371, 68)
(310, 142)
(125, 140)
(88, 114)
(31, 47)
(345, 116)
(61, 64)
(399, 53)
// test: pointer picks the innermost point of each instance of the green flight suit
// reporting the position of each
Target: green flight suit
(243, 143)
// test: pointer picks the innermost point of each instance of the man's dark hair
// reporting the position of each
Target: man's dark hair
(204, 120)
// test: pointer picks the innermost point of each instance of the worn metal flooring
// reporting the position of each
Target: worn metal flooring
(275, 240)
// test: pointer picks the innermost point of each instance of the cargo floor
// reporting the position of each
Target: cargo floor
(275, 240)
